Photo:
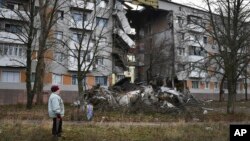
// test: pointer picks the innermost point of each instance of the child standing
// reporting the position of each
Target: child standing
(90, 111)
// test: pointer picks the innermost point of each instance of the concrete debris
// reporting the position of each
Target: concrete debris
(126, 94)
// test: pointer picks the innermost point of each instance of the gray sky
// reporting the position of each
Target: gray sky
(189, 2)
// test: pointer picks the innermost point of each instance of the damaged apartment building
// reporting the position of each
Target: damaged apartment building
(79, 23)
(168, 43)
(140, 39)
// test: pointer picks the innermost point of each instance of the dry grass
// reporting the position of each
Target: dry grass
(180, 131)
(19, 124)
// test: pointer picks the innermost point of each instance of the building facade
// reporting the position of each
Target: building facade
(81, 24)
(170, 41)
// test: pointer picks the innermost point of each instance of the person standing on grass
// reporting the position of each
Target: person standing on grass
(90, 111)
(56, 110)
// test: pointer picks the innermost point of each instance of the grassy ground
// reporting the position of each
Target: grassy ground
(19, 124)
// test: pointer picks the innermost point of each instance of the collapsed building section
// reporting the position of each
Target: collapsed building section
(123, 43)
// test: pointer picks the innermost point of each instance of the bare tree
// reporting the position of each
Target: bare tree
(91, 41)
(30, 14)
(26, 35)
(228, 27)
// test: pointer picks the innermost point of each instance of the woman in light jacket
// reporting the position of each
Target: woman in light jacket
(56, 110)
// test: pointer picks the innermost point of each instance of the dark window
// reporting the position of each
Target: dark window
(205, 40)
(13, 28)
(60, 15)
(101, 22)
(74, 80)
(195, 84)
(102, 80)
(193, 50)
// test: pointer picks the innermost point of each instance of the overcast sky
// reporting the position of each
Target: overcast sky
(189, 2)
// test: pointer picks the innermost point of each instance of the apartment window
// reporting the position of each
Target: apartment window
(205, 40)
(11, 50)
(180, 8)
(60, 15)
(75, 81)
(59, 57)
(195, 84)
(13, 28)
(77, 37)
(56, 79)
(78, 17)
(182, 36)
(101, 22)
(207, 85)
(180, 21)
(59, 35)
(12, 6)
(181, 51)
(102, 80)
(2, 3)
(199, 51)
(216, 85)
(10, 76)
(100, 60)
(88, 56)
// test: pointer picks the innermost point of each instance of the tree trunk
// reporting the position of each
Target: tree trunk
(29, 92)
(30, 95)
(231, 96)
(40, 70)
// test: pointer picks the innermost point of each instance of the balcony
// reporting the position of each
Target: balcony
(12, 61)
(82, 4)
(11, 38)
(184, 75)
(195, 28)
(124, 22)
(79, 25)
(195, 58)
(13, 15)
(74, 44)
(125, 37)
(72, 64)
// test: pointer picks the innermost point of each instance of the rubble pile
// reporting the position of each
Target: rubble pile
(125, 94)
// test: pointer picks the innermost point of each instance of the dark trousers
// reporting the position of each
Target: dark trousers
(57, 126)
